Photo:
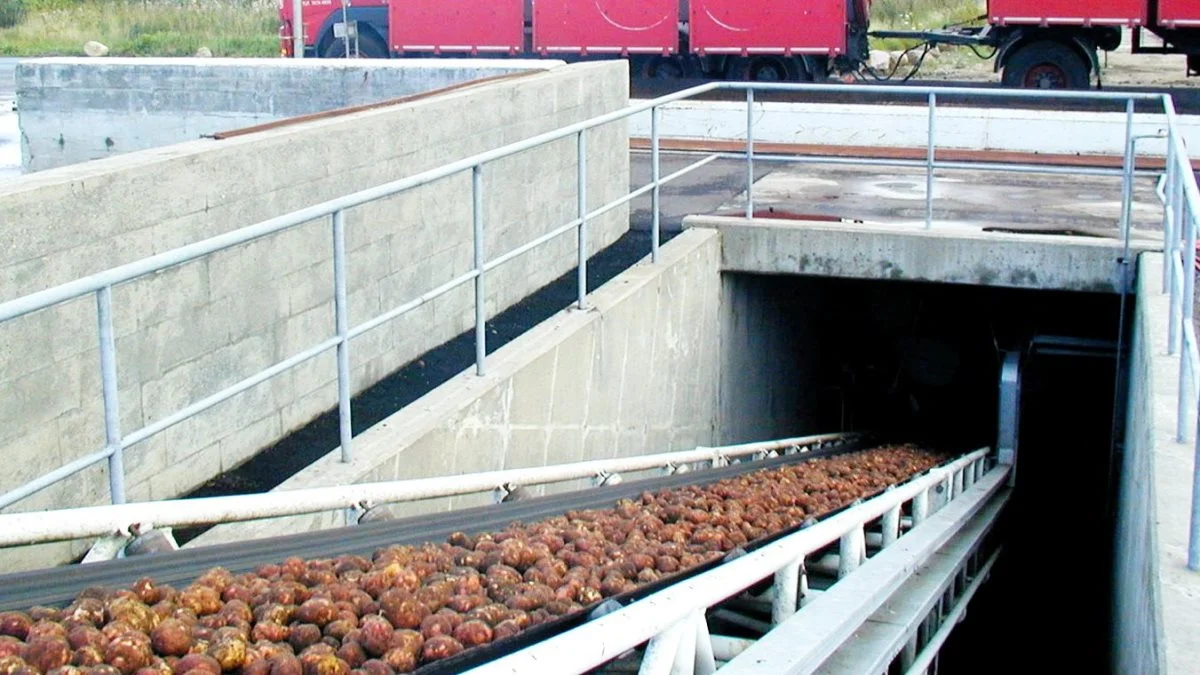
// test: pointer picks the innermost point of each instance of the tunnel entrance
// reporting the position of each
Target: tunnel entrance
(921, 362)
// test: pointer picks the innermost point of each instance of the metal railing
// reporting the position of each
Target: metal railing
(1181, 217)
(100, 285)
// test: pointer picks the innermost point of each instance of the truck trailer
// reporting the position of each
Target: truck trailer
(1034, 43)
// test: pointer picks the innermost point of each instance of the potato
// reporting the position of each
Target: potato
(171, 637)
(229, 652)
(197, 662)
(441, 647)
(45, 654)
(473, 633)
(304, 635)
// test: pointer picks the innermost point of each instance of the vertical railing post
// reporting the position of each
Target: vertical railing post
(1127, 180)
(581, 193)
(920, 507)
(1193, 555)
(477, 236)
(1173, 247)
(891, 526)
(706, 662)
(750, 152)
(297, 29)
(852, 549)
(929, 160)
(655, 176)
(112, 409)
(342, 319)
(1185, 314)
(787, 585)
(1169, 223)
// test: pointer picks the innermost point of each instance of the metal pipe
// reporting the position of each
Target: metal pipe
(480, 291)
(787, 585)
(228, 393)
(727, 648)
(706, 660)
(1169, 209)
(600, 640)
(1193, 555)
(298, 29)
(342, 320)
(112, 406)
(660, 653)
(655, 169)
(891, 526)
(997, 167)
(923, 660)
(741, 620)
(409, 306)
(749, 152)
(1186, 307)
(1173, 254)
(42, 482)
(76, 523)
(852, 548)
(920, 507)
(581, 193)
(931, 160)
(1127, 177)
(685, 651)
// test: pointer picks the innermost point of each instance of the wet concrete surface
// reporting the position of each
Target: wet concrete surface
(10, 147)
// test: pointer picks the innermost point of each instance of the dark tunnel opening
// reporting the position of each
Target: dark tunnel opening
(921, 362)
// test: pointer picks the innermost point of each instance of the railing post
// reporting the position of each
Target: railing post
(581, 142)
(750, 152)
(1193, 558)
(1185, 314)
(920, 507)
(787, 585)
(1169, 223)
(1173, 245)
(1127, 182)
(706, 662)
(891, 526)
(851, 551)
(297, 29)
(480, 304)
(929, 161)
(112, 409)
(655, 176)
(342, 321)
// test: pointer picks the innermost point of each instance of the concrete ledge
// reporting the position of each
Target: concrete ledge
(898, 252)
(577, 386)
(1157, 627)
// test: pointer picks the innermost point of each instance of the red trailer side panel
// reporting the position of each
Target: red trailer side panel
(1068, 12)
(606, 26)
(1179, 13)
(457, 26)
(768, 27)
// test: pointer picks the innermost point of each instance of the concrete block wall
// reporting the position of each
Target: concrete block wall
(78, 109)
(188, 332)
(635, 374)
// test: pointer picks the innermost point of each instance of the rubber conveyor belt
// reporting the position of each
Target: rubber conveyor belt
(59, 586)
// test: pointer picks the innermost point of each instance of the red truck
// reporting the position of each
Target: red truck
(1036, 43)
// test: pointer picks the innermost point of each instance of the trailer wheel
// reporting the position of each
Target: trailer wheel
(369, 47)
(1046, 65)
(664, 68)
(764, 69)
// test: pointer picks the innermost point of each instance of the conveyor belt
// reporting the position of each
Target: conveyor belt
(58, 586)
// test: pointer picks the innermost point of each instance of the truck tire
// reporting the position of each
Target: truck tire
(764, 69)
(369, 47)
(1046, 65)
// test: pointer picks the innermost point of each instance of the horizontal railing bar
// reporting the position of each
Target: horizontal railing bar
(409, 306)
(939, 164)
(525, 248)
(950, 621)
(90, 521)
(965, 92)
(43, 482)
(227, 393)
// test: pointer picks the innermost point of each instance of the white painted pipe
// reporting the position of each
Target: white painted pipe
(661, 652)
(787, 585)
(30, 528)
(706, 662)
(600, 641)
(727, 648)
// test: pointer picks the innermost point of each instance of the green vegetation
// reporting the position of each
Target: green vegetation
(11, 12)
(920, 15)
(143, 27)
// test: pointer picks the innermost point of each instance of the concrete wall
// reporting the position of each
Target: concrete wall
(77, 109)
(188, 332)
(1155, 623)
(635, 374)
(951, 255)
(984, 128)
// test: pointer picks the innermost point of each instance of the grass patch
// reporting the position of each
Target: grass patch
(926, 15)
(145, 28)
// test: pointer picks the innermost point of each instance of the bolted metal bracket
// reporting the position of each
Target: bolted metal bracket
(605, 478)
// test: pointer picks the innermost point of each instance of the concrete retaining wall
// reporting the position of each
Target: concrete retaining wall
(635, 374)
(996, 128)
(77, 109)
(188, 332)
(1156, 628)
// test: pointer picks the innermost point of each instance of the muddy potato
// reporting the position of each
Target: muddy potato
(68, 670)
(376, 667)
(285, 664)
(473, 633)
(405, 613)
(505, 629)
(441, 647)
(258, 667)
(128, 652)
(86, 610)
(304, 635)
(269, 631)
(229, 652)
(465, 603)
(325, 664)
(435, 625)
(317, 611)
(409, 640)
(45, 629)
(201, 599)
(45, 654)
(400, 660)
(171, 637)
(100, 669)
(352, 653)
(339, 629)
(10, 646)
(374, 635)
(87, 656)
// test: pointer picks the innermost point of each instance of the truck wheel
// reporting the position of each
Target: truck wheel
(664, 68)
(764, 69)
(369, 47)
(1046, 65)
